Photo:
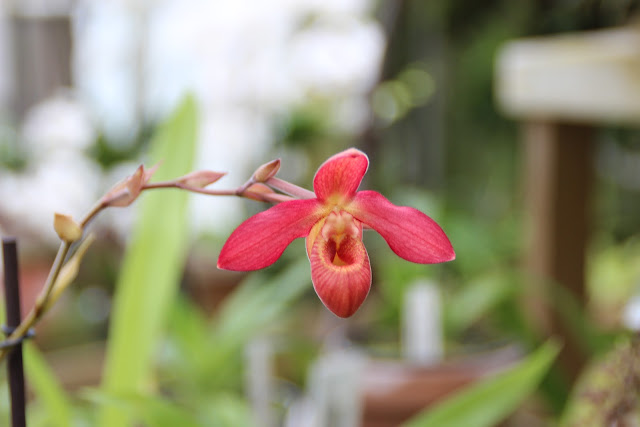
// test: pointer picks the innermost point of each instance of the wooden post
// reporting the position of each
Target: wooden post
(561, 87)
(558, 181)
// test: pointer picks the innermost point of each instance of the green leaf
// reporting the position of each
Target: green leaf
(590, 336)
(490, 401)
(46, 387)
(254, 307)
(228, 410)
(206, 355)
(154, 411)
(189, 335)
(258, 301)
(475, 300)
(152, 265)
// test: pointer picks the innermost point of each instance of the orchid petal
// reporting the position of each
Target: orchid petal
(260, 240)
(341, 175)
(411, 234)
(341, 278)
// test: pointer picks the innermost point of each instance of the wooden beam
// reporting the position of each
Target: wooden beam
(557, 185)
(590, 77)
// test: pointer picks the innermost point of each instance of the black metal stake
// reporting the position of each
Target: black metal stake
(14, 358)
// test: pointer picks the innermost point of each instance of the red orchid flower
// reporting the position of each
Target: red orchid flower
(332, 223)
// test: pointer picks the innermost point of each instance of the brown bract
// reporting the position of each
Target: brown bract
(200, 179)
(266, 171)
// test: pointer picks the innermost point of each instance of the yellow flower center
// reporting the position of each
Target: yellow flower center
(338, 201)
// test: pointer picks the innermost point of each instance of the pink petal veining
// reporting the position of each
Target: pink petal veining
(260, 240)
(341, 174)
(411, 234)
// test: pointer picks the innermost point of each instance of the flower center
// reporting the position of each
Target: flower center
(338, 226)
(338, 201)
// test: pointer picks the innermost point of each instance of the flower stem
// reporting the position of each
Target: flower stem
(241, 191)
(289, 188)
(42, 305)
(95, 210)
(37, 311)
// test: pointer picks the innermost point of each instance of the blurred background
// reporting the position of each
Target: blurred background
(426, 90)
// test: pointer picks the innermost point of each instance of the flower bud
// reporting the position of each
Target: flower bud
(266, 171)
(127, 191)
(200, 179)
(67, 229)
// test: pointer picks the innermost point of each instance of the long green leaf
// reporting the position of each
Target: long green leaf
(207, 355)
(227, 410)
(258, 301)
(46, 387)
(154, 411)
(152, 266)
(490, 401)
(253, 308)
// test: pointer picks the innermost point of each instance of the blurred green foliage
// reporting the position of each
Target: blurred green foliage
(55, 403)
(109, 153)
(153, 265)
(12, 157)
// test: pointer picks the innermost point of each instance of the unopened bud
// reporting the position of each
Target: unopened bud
(127, 191)
(200, 179)
(266, 171)
(135, 181)
(67, 229)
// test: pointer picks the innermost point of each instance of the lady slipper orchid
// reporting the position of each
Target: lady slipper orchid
(332, 223)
